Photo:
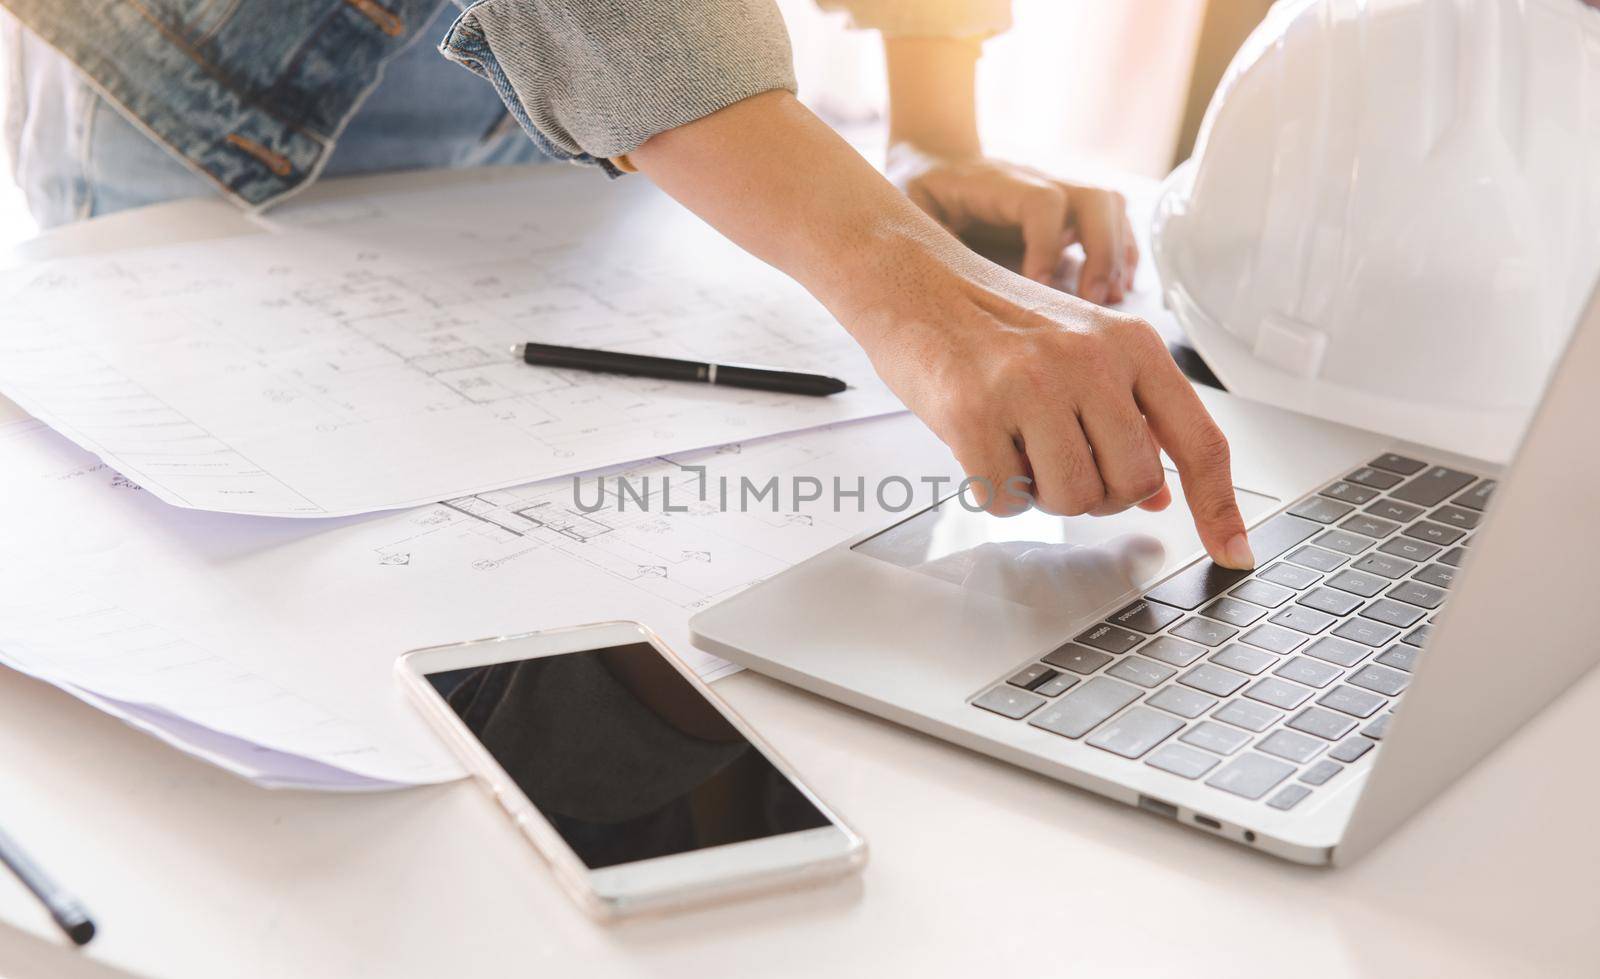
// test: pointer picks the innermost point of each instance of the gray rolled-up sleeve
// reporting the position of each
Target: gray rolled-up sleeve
(590, 80)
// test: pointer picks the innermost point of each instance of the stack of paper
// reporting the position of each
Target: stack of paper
(352, 359)
(361, 362)
(267, 646)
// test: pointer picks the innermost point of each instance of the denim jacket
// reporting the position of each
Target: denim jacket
(253, 94)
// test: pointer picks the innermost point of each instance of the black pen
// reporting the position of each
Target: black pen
(638, 365)
(67, 910)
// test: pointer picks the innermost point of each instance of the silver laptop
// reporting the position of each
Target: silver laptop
(1410, 610)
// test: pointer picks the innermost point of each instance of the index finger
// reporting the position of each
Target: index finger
(1199, 449)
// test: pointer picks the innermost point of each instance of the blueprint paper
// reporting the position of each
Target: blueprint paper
(263, 766)
(356, 358)
(189, 696)
(267, 646)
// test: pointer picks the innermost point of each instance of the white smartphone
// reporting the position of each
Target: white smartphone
(641, 789)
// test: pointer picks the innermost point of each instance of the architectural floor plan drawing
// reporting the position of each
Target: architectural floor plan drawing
(268, 646)
(658, 540)
(359, 360)
(685, 531)
(87, 593)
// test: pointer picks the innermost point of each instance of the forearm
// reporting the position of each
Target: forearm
(1022, 382)
(772, 177)
(933, 94)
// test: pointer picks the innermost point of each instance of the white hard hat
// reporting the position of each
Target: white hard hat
(1392, 215)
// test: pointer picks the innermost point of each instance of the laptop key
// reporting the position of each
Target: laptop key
(1321, 772)
(1077, 659)
(1350, 749)
(1273, 638)
(1288, 797)
(1454, 556)
(1454, 516)
(1433, 486)
(1233, 611)
(1388, 682)
(1174, 652)
(1394, 510)
(1009, 702)
(1340, 652)
(1278, 534)
(1438, 575)
(1247, 714)
(1404, 465)
(1031, 676)
(1181, 701)
(1078, 712)
(1400, 656)
(1250, 775)
(1262, 593)
(1135, 732)
(1477, 498)
(1056, 685)
(1393, 613)
(1205, 631)
(1146, 617)
(1370, 526)
(1144, 672)
(1110, 638)
(1386, 565)
(1213, 680)
(1311, 672)
(1182, 761)
(1215, 737)
(1331, 601)
(1302, 619)
(1375, 478)
(1316, 558)
(1324, 724)
(1278, 693)
(1378, 727)
(1321, 509)
(1366, 632)
(1418, 593)
(1410, 550)
(1290, 576)
(1343, 541)
(1433, 533)
(1350, 493)
(1201, 582)
(1353, 701)
(1245, 659)
(1358, 582)
(1419, 635)
(1290, 746)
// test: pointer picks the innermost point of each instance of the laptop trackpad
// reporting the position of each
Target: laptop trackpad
(1072, 565)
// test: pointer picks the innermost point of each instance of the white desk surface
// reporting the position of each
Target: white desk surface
(976, 867)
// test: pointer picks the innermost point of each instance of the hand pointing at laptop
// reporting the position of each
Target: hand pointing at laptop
(1031, 388)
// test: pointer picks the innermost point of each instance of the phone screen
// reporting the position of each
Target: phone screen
(623, 756)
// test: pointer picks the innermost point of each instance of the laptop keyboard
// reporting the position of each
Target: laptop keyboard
(1272, 683)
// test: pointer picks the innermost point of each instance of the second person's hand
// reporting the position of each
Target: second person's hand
(988, 198)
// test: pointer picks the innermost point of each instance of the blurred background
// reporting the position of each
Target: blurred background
(1104, 84)
(1082, 84)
